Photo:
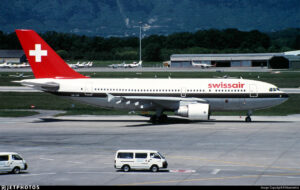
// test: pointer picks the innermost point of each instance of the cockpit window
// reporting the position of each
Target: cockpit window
(274, 89)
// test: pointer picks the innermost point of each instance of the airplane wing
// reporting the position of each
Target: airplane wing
(162, 98)
(49, 86)
(164, 102)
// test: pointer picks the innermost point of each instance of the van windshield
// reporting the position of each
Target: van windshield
(161, 155)
(16, 157)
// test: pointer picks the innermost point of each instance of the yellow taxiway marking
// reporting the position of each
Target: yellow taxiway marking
(212, 178)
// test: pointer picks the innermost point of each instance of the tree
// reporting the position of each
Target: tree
(63, 54)
(152, 52)
(296, 43)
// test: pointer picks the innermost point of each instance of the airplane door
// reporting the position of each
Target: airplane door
(88, 89)
(183, 92)
(253, 91)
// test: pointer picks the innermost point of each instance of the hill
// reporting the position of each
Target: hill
(119, 17)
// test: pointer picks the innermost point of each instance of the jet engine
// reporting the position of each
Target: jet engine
(195, 111)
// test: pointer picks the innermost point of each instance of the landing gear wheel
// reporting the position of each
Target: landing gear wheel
(162, 118)
(158, 119)
(153, 119)
(248, 119)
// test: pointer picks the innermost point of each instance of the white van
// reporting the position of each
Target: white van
(12, 162)
(140, 160)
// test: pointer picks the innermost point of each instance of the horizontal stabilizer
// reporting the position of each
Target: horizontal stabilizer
(48, 86)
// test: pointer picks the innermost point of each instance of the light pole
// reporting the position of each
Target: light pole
(140, 42)
(145, 27)
(140, 48)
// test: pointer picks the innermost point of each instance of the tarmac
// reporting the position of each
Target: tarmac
(80, 150)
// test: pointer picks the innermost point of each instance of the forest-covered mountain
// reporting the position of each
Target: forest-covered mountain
(120, 17)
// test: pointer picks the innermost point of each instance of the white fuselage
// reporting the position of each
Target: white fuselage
(220, 94)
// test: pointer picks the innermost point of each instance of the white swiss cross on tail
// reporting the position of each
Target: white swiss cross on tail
(38, 53)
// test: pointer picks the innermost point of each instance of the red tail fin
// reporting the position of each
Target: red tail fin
(44, 62)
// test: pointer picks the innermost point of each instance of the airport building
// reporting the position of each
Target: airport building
(12, 56)
(269, 60)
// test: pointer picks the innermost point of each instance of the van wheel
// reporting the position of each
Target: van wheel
(16, 170)
(126, 168)
(154, 168)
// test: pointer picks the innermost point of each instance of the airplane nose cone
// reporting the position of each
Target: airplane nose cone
(283, 97)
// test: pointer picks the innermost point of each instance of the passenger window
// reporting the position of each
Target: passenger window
(140, 155)
(4, 158)
(16, 157)
(154, 155)
(125, 155)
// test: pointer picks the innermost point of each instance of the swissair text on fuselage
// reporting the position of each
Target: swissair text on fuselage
(225, 85)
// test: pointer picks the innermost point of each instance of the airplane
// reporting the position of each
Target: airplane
(80, 65)
(202, 65)
(295, 53)
(135, 64)
(23, 65)
(14, 66)
(4, 65)
(121, 65)
(89, 64)
(83, 64)
(124, 65)
(194, 99)
(73, 66)
(20, 75)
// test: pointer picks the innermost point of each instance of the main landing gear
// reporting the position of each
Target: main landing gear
(248, 118)
(158, 119)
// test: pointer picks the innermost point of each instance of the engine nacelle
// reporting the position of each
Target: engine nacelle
(194, 111)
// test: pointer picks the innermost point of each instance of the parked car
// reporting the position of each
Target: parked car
(12, 162)
(140, 160)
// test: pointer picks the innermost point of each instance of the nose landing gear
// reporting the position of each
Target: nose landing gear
(248, 118)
